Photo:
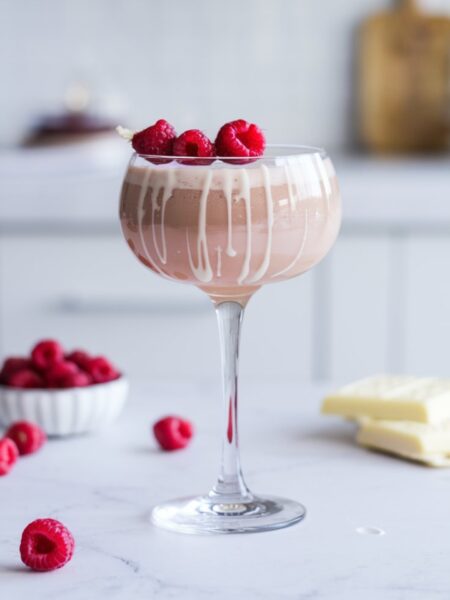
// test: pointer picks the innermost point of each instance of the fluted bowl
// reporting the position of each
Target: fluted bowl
(65, 412)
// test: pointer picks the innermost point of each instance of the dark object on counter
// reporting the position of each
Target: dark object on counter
(67, 128)
(403, 81)
(76, 122)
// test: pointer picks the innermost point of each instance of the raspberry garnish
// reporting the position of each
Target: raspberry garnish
(8, 455)
(240, 138)
(26, 378)
(157, 139)
(28, 437)
(194, 142)
(173, 433)
(79, 357)
(101, 370)
(46, 545)
(46, 354)
(12, 365)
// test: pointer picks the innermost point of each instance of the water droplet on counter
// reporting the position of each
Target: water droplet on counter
(370, 531)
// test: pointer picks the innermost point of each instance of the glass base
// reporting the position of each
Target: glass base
(206, 515)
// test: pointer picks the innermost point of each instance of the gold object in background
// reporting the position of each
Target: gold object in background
(404, 80)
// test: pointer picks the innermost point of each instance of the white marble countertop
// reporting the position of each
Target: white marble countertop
(102, 488)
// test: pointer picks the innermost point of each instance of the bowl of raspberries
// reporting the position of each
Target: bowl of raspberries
(65, 393)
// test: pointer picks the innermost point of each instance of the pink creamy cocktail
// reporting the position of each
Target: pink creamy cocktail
(228, 225)
(229, 229)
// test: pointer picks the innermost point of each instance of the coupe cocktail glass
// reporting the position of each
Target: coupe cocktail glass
(230, 227)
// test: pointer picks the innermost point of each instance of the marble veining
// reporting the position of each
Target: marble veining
(103, 488)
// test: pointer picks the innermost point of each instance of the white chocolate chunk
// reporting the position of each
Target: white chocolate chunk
(126, 134)
(393, 398)
(429, 444)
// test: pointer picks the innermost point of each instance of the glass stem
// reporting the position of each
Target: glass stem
(230, 487)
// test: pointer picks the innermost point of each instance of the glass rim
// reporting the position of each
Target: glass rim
(290, 151)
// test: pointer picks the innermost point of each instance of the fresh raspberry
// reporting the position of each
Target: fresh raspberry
(46, 354)
(101, 370)
(194, 142)
(12, 365)
(173, 433)
(56, 376)
(79, 357)
(28, 437)
(240, 138)
(80, 379)
(26, 378)
(157, 139)
(46, 545)
(8, 455)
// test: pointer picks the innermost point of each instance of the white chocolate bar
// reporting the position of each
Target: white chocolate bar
(429, 444)
(393, 398)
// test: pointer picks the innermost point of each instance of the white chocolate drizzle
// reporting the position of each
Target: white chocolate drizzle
(287, 170)
(141, 211)
(269, 207)
(295, 182)
(300, 250)
(261, 235)
(245, 195)
(203, 270)
(167, 193)
(228, 192)
(219, 261)
(324, 180)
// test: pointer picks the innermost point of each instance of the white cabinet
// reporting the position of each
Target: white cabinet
(390, 296)
(377, 303)
(359, 306)
(427, 305)
(278, 331)
(89, 291)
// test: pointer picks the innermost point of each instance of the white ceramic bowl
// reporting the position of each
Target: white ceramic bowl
(66, 411)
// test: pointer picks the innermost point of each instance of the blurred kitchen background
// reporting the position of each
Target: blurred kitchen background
(371, 86)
